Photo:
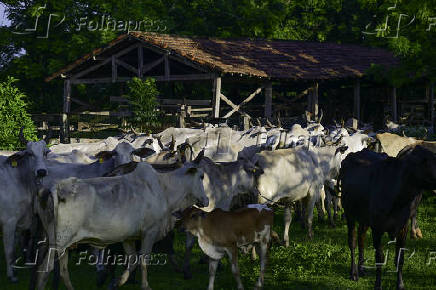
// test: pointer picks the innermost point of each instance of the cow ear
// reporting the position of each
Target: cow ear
(104, 155)
(192, 170)
(341, 149)
(144, 152)
(14, 159)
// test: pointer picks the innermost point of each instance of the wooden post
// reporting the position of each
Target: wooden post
(314, 102)
(167, 67)
(182, 116)
(140, 61)
(114, 69)
(309, 104)
(356, 108)
(246, 122)
(65, 132)
(394, 105)
(430, 99)
(216, 97)
(268, 100)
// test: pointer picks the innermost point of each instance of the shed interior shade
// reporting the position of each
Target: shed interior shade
(278, 59)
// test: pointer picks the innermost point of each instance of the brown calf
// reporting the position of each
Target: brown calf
(220, 232)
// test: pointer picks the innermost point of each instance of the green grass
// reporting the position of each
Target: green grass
(322, 263)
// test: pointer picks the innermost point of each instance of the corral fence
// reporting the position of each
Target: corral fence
(100, 124)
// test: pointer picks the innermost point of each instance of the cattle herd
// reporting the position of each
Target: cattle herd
(218, 184)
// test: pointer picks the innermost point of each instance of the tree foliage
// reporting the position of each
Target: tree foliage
(13, 116)
(143, 100)
(382, 23)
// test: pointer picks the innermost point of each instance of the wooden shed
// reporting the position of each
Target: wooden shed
(176, 58)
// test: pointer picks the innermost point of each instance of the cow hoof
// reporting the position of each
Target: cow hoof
(418, 233)
(13, 279)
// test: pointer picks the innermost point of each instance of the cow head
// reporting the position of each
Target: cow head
(34, 155)
(197, 193)
(123, 153)
(422, 164)
(190, 218)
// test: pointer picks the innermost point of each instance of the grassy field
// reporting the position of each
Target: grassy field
(322, 263)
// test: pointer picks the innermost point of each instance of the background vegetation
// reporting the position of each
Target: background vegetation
(398, 25)
(13, 115)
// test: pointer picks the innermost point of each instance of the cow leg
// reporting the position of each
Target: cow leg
(319, 210)
(376, 240)
(287, 217)
(63, 263)
(130, 250)
(233, 256)
(320, 207)
(169, 249)
(189, 244)
(327, 205)
(45, 269)
(399, 255)
(213, 265)
(262, 249)
(335, 201)
(100, 267)
(352, 245)
(9, 245)
(310, 204)
(415, 232)
(361, 242)
(146, 247)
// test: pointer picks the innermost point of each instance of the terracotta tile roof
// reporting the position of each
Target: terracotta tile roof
(278, 59)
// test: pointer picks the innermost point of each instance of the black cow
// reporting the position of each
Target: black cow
(380, 192)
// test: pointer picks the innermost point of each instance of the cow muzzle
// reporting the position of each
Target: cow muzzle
(202, 202)
(41, 172)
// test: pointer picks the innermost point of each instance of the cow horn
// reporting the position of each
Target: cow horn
(160, 142)
(23, 139)
(258, 122)
(48, 136)
(269, 123)
(199, 157)
(320, 118)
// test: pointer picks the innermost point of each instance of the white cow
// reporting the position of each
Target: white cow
(296, 174)
(106, 210)
(20, 175)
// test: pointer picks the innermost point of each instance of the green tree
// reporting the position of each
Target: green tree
(13, 116)
(142, 97)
